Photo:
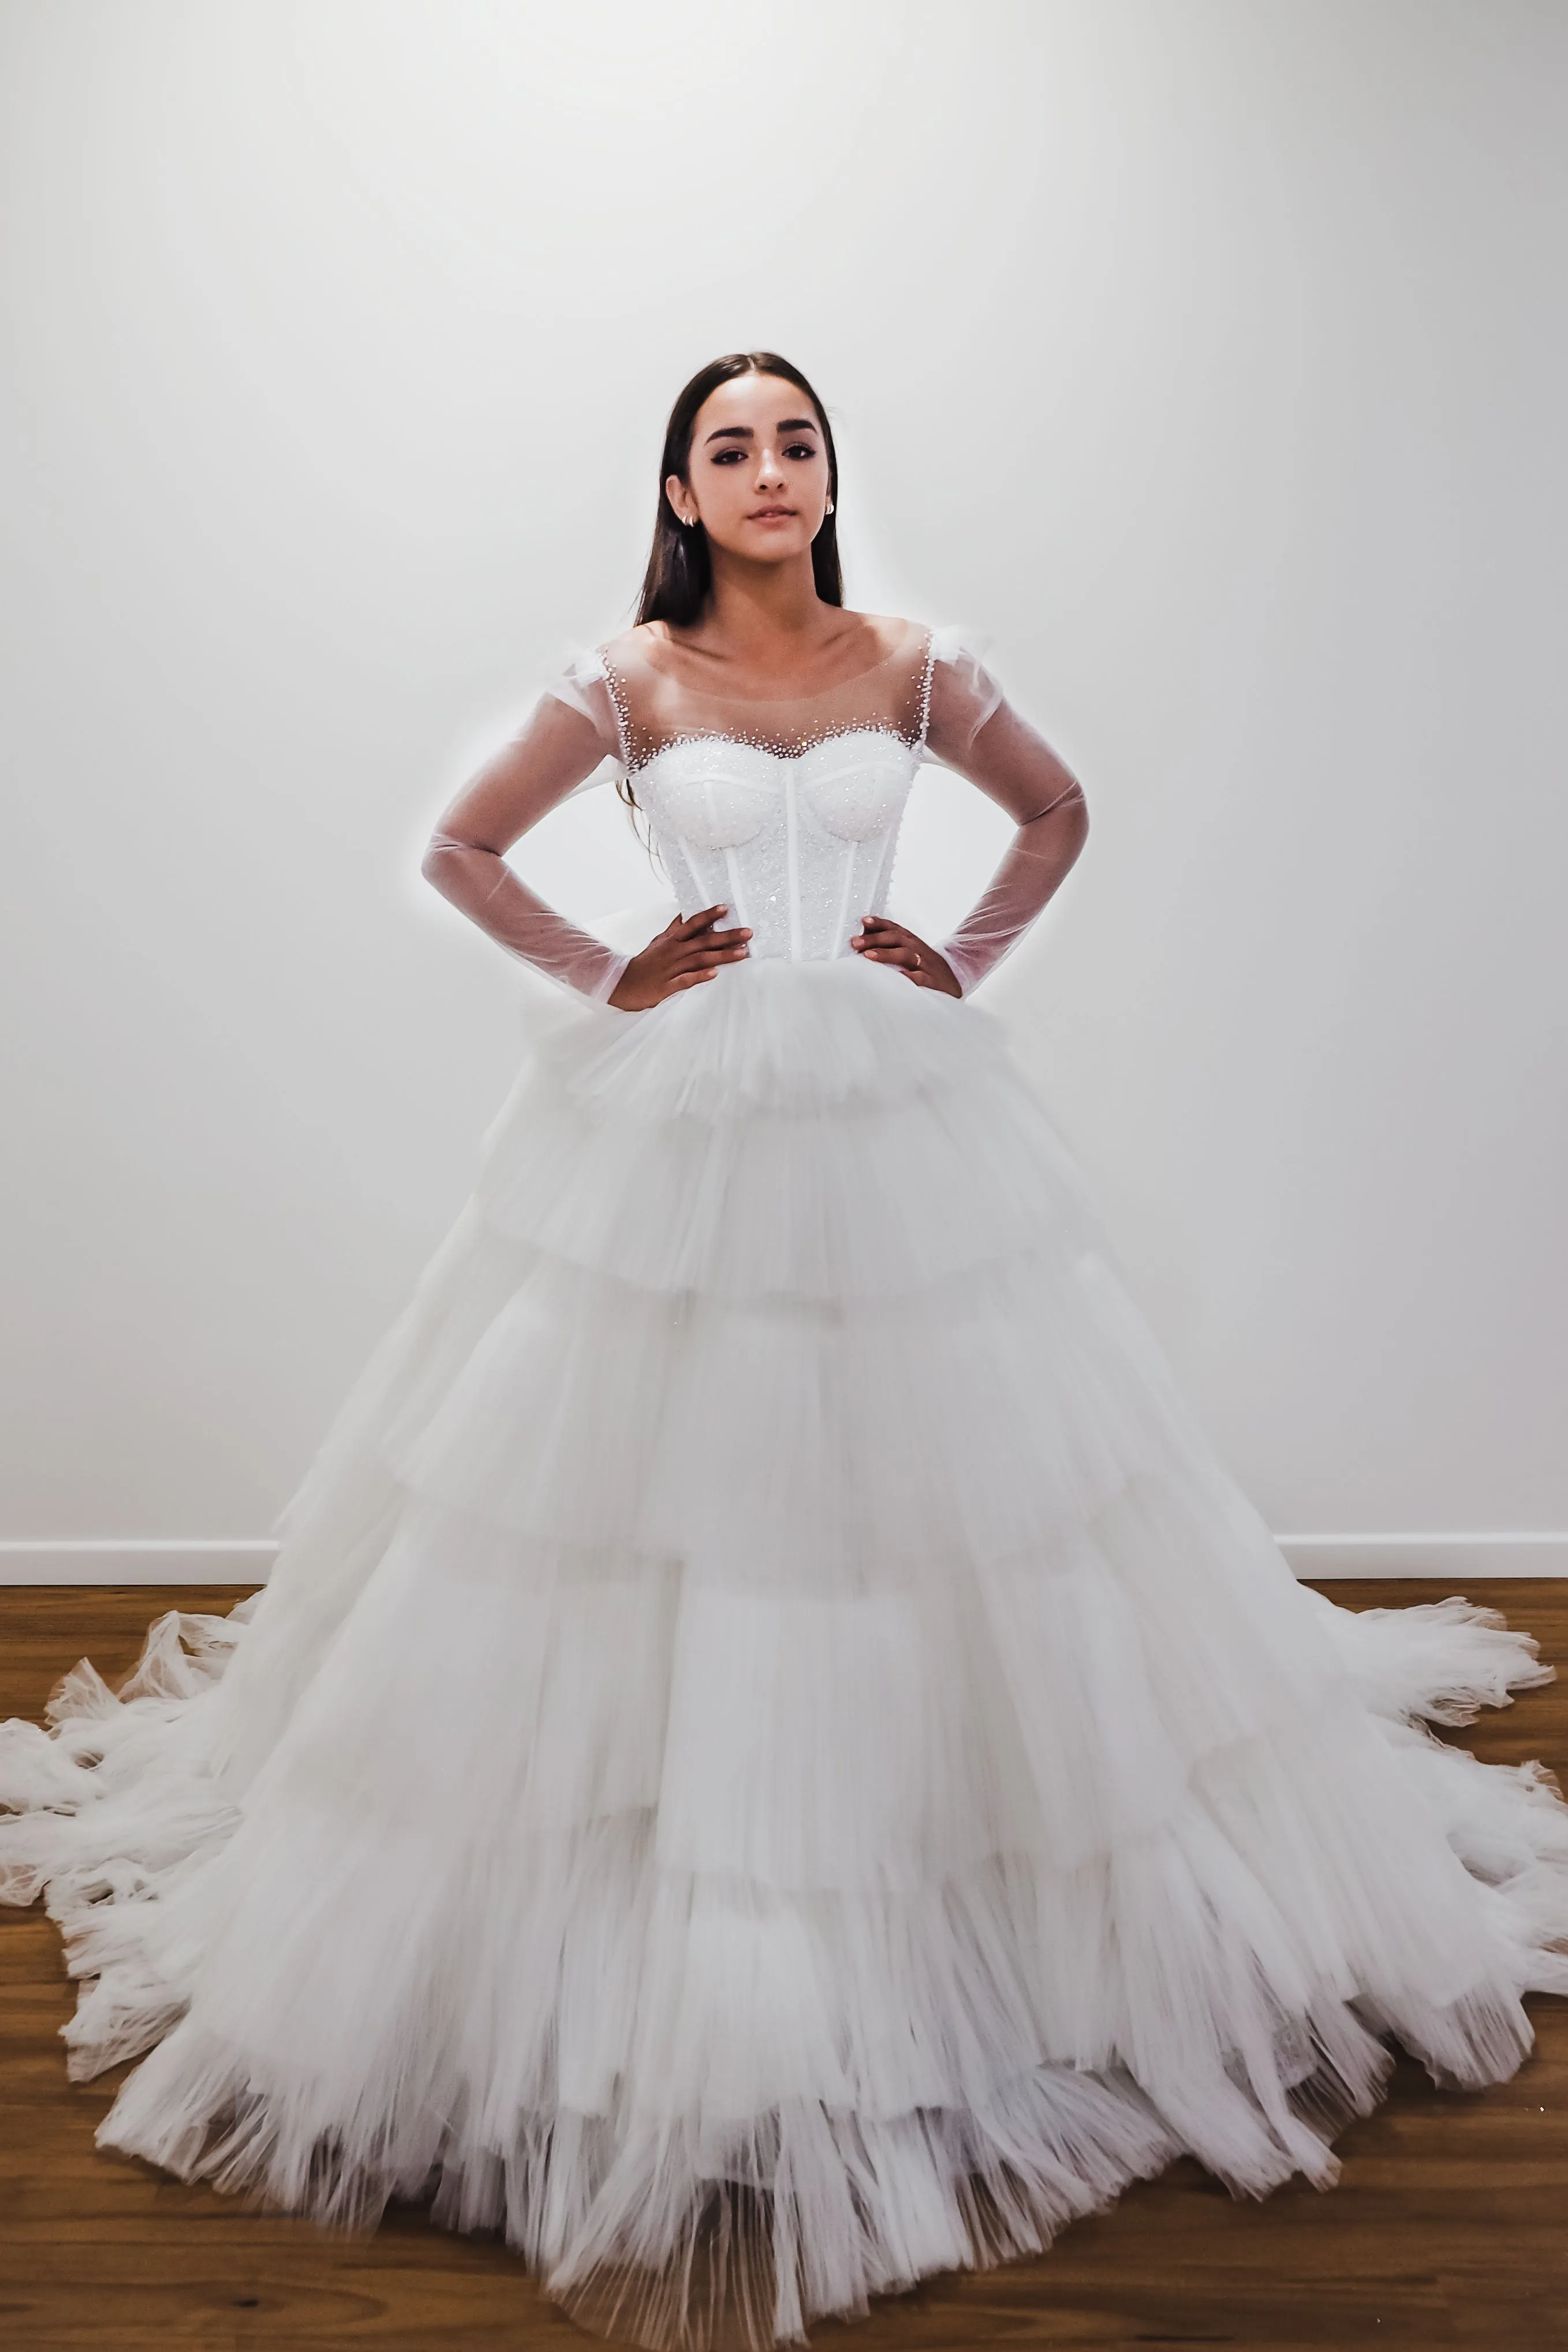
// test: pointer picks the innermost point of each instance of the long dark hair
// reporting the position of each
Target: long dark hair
(680, 567)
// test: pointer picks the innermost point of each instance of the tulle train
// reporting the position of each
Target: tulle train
(775, 1760)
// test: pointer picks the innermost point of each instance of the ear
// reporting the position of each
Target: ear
(680, 498)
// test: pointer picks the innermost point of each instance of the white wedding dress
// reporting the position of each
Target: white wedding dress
(775, 1759)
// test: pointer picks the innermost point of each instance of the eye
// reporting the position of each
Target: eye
(800, 449)
(727, 457)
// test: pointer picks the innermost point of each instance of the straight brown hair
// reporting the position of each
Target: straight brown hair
(680, 574)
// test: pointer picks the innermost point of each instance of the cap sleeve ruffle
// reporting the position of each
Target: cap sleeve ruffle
(964, 691)
(580, 681)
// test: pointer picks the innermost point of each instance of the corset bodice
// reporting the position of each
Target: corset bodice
(799, 847)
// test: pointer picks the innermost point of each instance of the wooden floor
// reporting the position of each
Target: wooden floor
(1449, 2226)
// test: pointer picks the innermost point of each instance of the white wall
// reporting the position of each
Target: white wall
(1209, 354)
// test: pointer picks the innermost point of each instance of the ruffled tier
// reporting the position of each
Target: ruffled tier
(773, 1759)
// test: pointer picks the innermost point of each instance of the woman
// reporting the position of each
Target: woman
(775, 1760)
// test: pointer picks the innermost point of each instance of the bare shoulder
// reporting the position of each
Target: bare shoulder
(639, 643)
(889, 632)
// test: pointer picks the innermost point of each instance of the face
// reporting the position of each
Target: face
(758, 469)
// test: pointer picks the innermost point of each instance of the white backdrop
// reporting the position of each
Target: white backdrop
(1210, 355)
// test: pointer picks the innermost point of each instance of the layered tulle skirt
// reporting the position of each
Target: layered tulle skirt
(775, 1759)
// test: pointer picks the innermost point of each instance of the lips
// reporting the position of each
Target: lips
(771, 514)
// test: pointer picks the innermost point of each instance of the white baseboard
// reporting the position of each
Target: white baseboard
(1513, 1552)
(241, 1560)
(139, 1559)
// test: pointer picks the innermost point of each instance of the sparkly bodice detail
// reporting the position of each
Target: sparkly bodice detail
(793, 828)
(799, 848)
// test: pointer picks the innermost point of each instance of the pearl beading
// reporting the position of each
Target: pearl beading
(927, 670)
(778, 747)
(790, 745)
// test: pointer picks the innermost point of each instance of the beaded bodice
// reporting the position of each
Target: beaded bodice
(798, 848)
(786, 814)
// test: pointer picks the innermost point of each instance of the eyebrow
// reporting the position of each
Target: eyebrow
(743, 432)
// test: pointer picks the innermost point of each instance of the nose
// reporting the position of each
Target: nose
(769, 469)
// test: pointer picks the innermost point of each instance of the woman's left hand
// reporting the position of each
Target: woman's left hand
(887, 942)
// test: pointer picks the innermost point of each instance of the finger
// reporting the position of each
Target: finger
(689, 979)
(711, 943)
(906, 958)
(695, 923)
(705, 958)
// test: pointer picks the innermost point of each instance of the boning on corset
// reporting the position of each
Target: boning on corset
(934, 691)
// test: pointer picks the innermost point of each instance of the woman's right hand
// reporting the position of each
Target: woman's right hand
(686, 950)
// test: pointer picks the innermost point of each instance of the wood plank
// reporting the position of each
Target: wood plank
(1449, 2226)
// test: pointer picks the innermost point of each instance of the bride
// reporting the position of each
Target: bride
(775, 1759)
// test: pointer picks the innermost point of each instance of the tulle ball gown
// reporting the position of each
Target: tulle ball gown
(775, 1759)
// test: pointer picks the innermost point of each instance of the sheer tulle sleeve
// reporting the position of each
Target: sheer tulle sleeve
(974, 730)
(566, 739)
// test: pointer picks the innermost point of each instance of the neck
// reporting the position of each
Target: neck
(754, 607)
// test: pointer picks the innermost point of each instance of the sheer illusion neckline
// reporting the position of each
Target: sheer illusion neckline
(706, 717)
(773, 747)
(767, 701)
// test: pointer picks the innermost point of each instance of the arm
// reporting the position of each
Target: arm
(974, 731)
(560, 745)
